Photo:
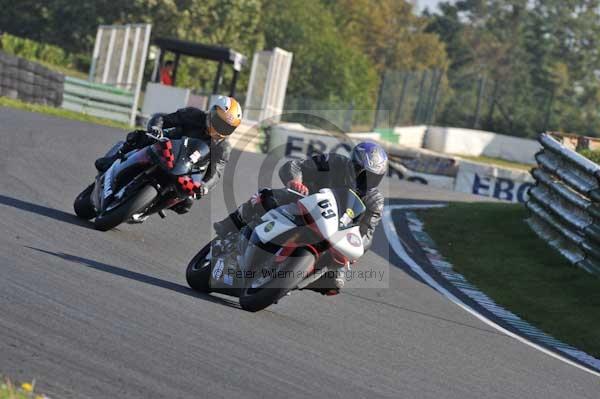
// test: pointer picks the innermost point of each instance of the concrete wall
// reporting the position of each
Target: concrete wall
(477, 143)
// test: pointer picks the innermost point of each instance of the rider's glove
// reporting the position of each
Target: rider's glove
(297, 186)
(193, 188)
(135, 137)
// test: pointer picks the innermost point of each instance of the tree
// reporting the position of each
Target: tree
(389, 33)
(325, 66)
(541, 58)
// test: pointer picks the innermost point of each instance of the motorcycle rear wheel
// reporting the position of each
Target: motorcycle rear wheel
(293, 268)
(136, 203)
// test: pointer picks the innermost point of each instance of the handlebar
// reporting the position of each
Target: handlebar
(160, 133)
(296, 192)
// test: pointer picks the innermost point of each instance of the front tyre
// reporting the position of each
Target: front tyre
(292, 271)
(83, 204)
(135, 204)
(198, 271)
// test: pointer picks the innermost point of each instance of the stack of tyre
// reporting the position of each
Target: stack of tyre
(30, 82)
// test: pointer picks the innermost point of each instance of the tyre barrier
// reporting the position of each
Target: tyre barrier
(30, 82)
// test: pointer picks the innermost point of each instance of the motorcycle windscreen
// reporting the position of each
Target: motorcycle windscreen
(350, 207)
(191, 156)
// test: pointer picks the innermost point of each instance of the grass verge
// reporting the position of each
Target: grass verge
(24, 391)
(493, 247)
(497, 162)
(63, 69)
(61, 113)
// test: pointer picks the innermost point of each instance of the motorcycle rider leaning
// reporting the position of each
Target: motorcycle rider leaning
(362, 172)
(213, 126)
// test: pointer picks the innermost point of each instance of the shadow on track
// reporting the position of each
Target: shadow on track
(45, 211)
(143, 278)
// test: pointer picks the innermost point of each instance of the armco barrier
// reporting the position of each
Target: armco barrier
(565, 203)
(98, 100)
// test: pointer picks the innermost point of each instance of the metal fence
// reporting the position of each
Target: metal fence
(98, 100)
(565, 203)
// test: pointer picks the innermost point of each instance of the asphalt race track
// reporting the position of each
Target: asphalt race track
(109, 315)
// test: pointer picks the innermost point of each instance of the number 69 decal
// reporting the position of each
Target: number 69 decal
(327, 213)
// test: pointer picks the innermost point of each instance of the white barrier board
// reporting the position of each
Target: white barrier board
(411, 136)
(162, 98)
(293, 141)
(491, 181)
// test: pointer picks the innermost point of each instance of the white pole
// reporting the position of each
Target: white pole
(123, 56)
(96, 53)
(266, 102)
(156, 67)
(111, 45)
(249, 100)
(138, 86)
(133, 57)
(286, 64)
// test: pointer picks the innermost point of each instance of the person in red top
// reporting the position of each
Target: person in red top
(166, 74)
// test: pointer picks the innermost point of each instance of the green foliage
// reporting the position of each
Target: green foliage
(325, 67)
(61, 113)
(492, 246)
(45, 53)
(538, 58)
(511, 66)
(593, 156)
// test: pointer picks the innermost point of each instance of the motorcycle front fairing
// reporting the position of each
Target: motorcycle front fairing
(335, 214)
(182, 156)
(257, 250)
(111, 185)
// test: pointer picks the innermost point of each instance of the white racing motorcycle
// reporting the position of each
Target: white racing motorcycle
(288, 249)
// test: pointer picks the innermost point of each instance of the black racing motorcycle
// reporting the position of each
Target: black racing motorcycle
(143, 182)
(288, 249)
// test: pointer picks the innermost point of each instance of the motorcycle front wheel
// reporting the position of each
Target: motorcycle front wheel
(289, 274)
(136, 203)
(198, 270)
(83, 204)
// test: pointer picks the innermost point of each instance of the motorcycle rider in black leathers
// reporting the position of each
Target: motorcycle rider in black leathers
(213, 126)
(362, 172)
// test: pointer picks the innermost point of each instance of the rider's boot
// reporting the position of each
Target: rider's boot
(330, 283)
(248, 212)
(102, 164)
(232, 223)
(183, 207)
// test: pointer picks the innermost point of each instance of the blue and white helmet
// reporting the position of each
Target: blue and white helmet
(370, 164)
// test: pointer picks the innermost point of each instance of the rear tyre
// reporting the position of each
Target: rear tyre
(83, 204)
(199, 269)
(293, 269)
(135, 204)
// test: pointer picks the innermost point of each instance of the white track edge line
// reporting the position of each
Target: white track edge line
(392, 236)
